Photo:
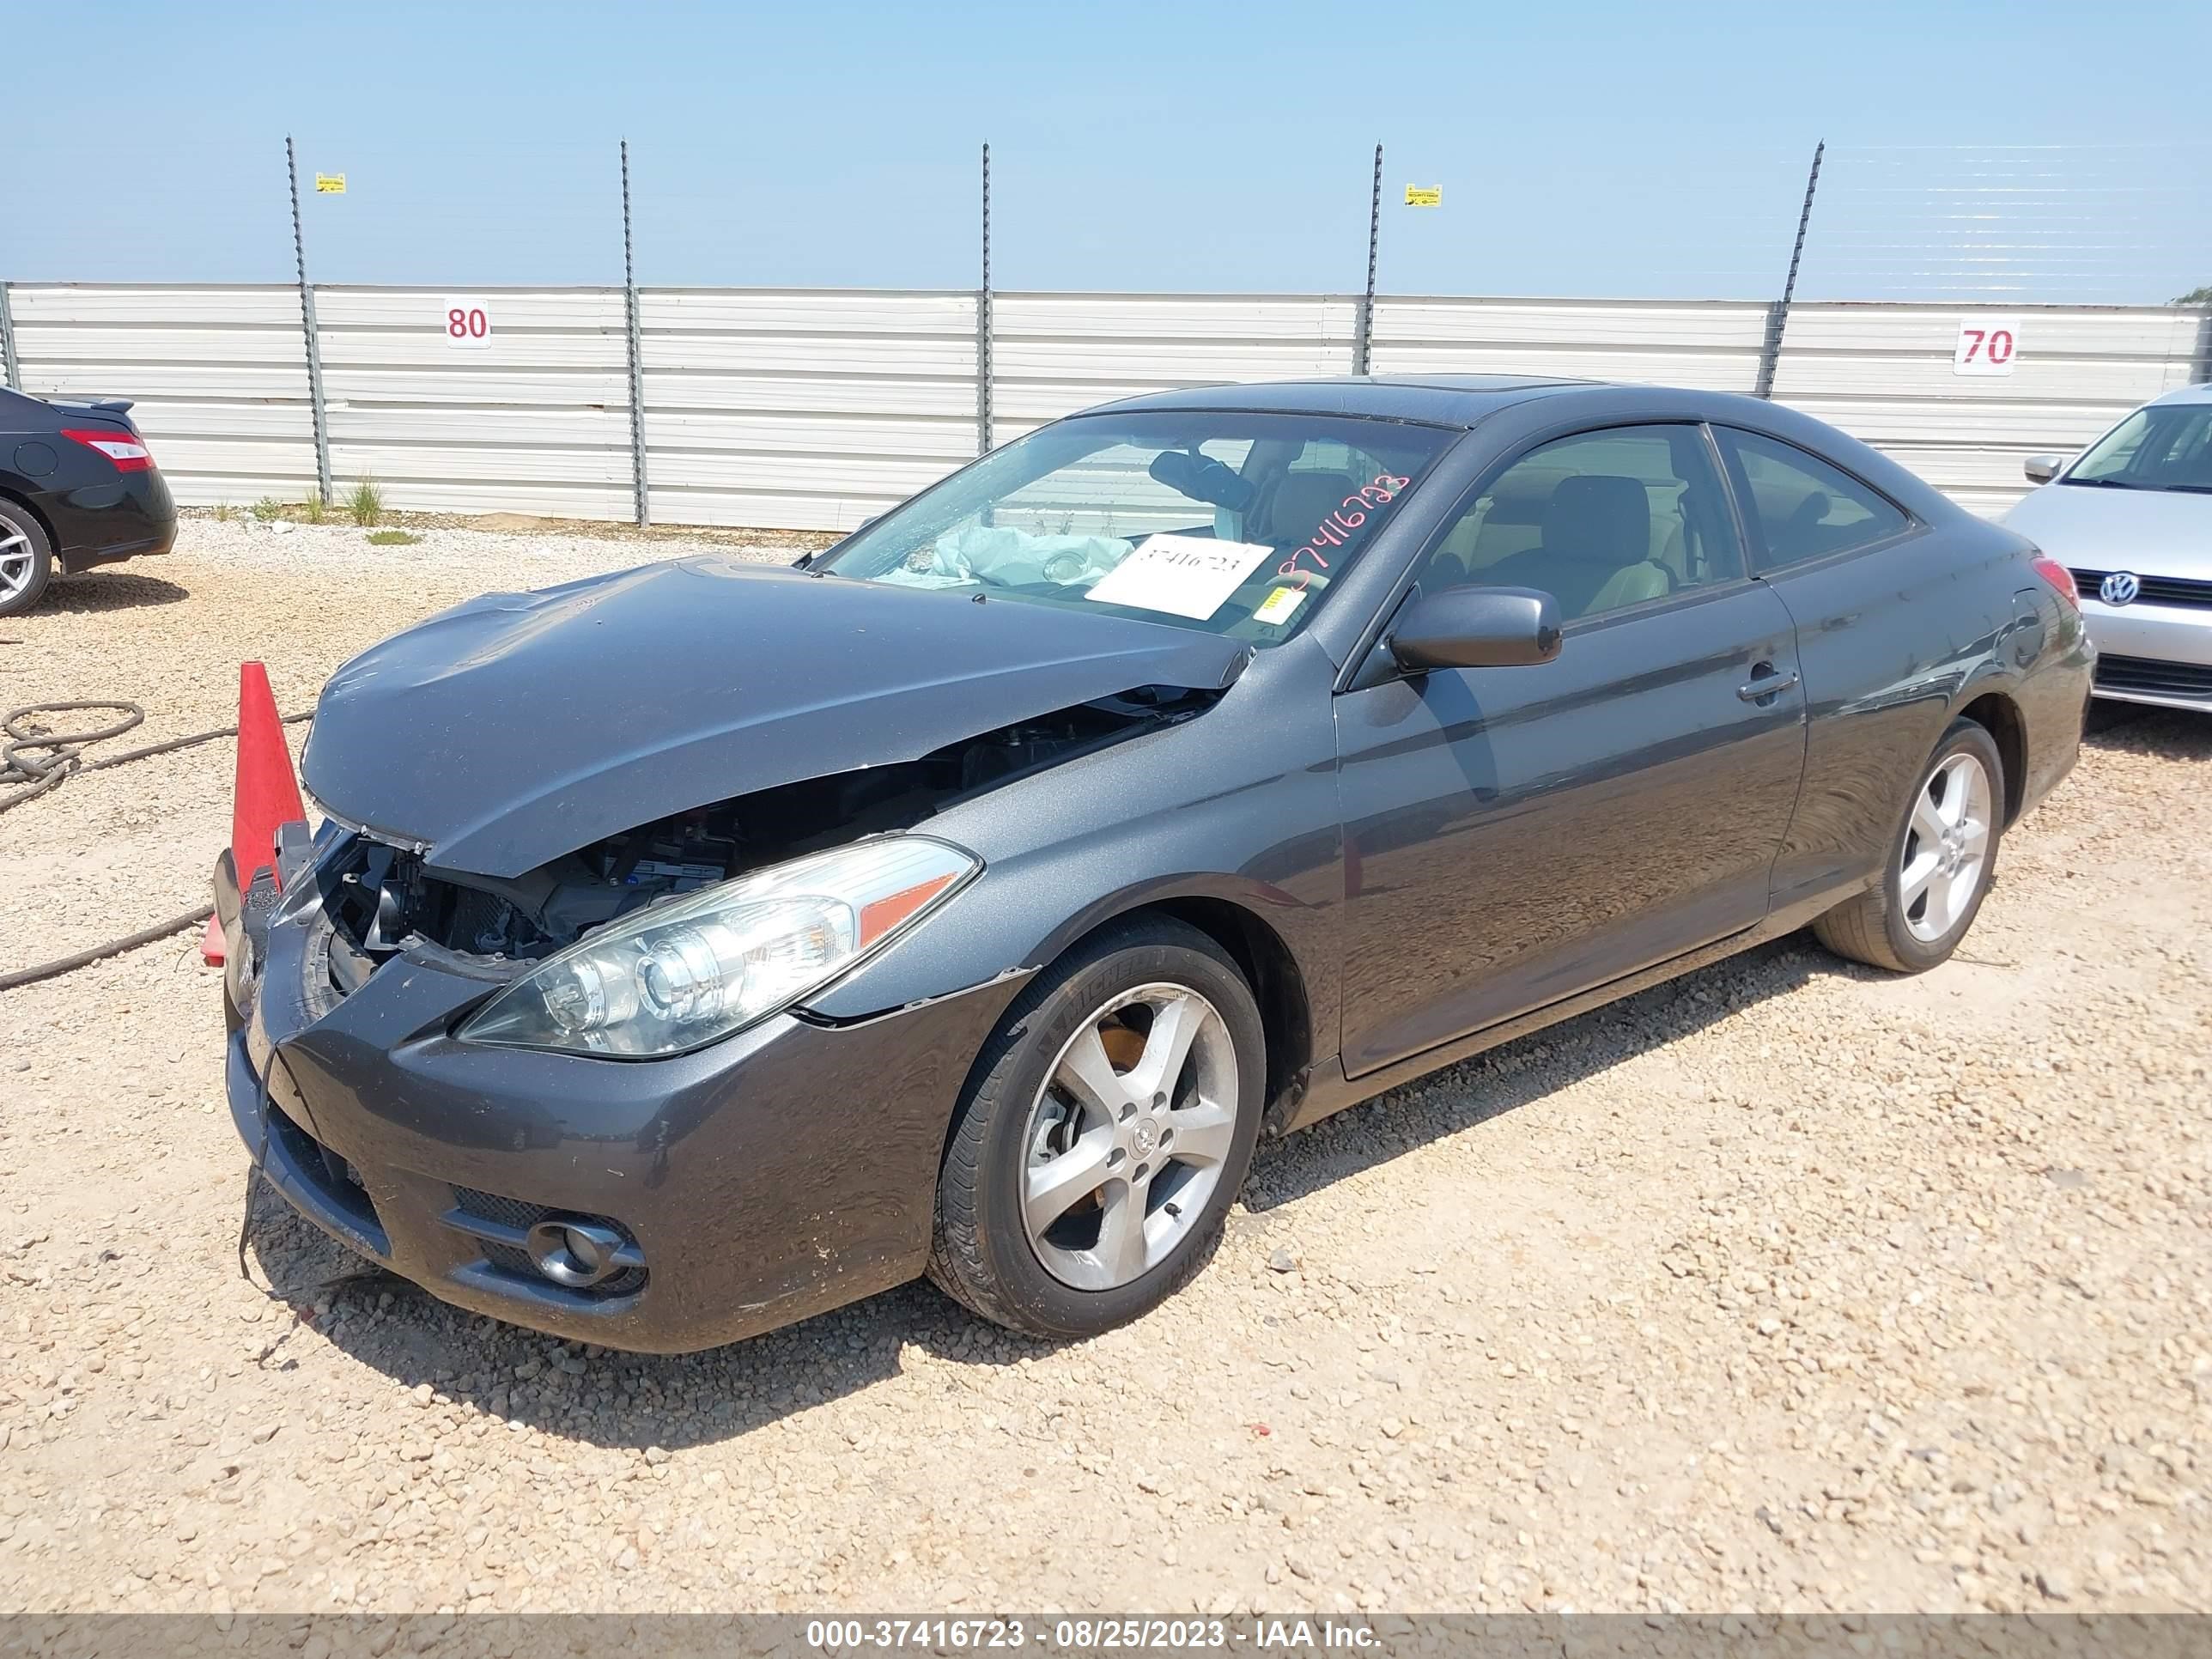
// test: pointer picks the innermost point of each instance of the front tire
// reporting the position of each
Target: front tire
(27, 561)
(1105, 1132)
(1939, 864)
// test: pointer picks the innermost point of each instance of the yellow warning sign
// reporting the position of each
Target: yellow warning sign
(1424, 196)
(330, 184)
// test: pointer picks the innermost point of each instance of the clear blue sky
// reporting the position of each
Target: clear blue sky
(1593, 149)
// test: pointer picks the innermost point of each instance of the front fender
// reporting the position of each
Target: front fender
(1236, 806)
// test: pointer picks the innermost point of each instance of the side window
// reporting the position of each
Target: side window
(1805, 508)
(1600, 520)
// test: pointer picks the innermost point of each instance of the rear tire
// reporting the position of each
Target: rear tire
(1106, 1130)
(1938, 865)
(27, 560)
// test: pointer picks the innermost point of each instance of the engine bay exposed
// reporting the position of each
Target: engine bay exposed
(382, 898)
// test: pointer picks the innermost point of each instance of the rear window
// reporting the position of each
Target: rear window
(1805, 508)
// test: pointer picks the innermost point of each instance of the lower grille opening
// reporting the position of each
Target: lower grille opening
(501, 1228)
(337, 1182)
(2154, 679)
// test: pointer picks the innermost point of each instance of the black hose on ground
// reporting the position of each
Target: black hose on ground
(38, 774)
(35, 773)
(114, 947)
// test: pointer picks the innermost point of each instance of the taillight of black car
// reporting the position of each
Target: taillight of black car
(125, 448)
(2060, 578)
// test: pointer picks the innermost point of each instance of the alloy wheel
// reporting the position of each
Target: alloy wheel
(1127, 1139)
(17, 562)
(1947, 846)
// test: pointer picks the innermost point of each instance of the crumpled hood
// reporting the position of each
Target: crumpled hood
(504, 733)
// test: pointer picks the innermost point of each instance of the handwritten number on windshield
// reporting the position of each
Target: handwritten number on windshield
(1336, 529)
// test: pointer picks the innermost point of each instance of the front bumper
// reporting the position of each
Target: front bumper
(2153, 653)
(780, 1173)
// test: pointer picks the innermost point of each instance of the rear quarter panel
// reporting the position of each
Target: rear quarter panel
(1893, 642)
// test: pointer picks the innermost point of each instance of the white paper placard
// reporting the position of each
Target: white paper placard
(1183, 575)
(1986, 345)
(466, 324)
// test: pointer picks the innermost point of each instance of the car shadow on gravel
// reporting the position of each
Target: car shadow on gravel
(102, 590)
(1528, 1068)
(595, 1396)
(2137, 728)
(645, 1400)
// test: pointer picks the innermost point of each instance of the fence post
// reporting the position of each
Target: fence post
(983, 324)
(11, 376)
(308, 324)
(640, 498)
(1778, 315)
(1362, 341)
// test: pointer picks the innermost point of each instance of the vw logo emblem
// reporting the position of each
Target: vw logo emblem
(2121, 588)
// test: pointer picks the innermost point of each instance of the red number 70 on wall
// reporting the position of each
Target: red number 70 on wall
(1986, 345)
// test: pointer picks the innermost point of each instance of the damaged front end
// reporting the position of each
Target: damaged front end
(381, 900)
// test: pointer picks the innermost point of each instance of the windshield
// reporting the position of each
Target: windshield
(1233, 523)
(2162, 446)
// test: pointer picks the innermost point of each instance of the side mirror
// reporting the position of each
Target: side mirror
(2042, 469)
(1476, 628)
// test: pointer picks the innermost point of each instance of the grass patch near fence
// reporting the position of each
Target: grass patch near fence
(366, 503)
(392, 538)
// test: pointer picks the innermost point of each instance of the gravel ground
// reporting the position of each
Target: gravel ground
(1787, 1286)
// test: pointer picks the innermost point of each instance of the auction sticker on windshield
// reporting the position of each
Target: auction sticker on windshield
(1183, 575)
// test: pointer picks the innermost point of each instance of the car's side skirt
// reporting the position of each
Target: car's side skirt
(1328, 1090)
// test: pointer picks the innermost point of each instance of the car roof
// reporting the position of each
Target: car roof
(1439, 399)
(2200, 393)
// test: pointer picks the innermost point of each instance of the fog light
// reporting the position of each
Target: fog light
(575, 1252)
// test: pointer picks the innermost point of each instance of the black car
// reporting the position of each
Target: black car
(693, 949)
(78, 487)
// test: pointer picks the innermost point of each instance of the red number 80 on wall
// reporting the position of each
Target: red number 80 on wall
(467, 325)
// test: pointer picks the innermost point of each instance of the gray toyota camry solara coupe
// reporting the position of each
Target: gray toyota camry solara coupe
(689, 949)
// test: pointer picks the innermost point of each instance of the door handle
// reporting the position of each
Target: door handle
(1763, 686)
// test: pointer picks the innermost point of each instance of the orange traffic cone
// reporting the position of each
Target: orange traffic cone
(265, 795)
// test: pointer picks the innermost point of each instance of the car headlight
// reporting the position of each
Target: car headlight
(688, 971)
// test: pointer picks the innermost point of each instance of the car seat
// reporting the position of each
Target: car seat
(1595, 550)
(1298, 503)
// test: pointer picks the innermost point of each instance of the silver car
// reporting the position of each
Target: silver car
(2132, 520)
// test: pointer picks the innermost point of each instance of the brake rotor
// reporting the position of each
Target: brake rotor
(1124, 1046)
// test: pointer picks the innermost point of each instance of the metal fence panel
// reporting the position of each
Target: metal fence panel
(1712, 344)
(1884, 374)
(218, 376)
(1052, 354)
(817, 409)
(791, 410)
(532, 418)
